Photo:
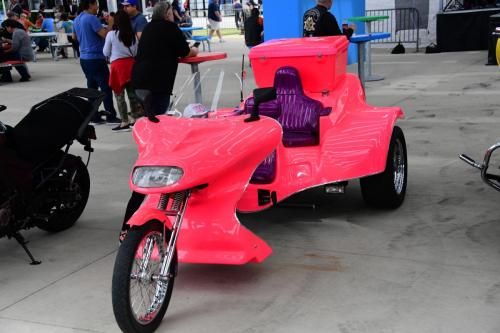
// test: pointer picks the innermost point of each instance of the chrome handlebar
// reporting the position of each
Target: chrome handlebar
(490, 179)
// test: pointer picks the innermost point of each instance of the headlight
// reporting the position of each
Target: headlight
(156, 176)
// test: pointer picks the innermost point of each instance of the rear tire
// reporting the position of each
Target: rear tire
(130, 255)
(63, 215)
(388, 189)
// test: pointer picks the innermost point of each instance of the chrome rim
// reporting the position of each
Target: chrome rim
(399, 166)
(147, 294)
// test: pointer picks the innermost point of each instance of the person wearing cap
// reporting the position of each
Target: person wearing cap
(90, 33)
(138, 20)
(318, 22)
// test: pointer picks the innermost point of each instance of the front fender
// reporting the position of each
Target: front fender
(147, 212)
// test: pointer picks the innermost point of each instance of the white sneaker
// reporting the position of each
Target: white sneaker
(222, 41)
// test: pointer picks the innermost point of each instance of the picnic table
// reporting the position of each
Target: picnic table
(189, 29)
(368, 26)
(42, 34)
(194, 62)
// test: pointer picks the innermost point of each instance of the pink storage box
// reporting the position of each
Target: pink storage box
(321, 61)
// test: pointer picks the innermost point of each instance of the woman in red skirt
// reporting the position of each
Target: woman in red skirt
(121, 47)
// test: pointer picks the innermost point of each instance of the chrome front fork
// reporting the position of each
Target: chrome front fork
(177, 209)
(490, 179)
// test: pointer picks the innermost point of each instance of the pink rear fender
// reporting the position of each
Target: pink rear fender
(354, 142)
(223, 157)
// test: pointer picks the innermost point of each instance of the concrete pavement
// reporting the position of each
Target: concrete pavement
(430, 266)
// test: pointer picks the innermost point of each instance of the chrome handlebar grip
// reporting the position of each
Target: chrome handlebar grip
(470, 161)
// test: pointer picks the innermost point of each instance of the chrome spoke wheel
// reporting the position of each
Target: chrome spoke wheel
(140, 292)
(146, 294)
(399, 166)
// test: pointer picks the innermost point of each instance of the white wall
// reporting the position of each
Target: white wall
(426, 36)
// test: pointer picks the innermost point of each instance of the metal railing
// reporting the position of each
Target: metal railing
(228, 17)
(403, 24)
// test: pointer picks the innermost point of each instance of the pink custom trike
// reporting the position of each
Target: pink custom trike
(311, 128)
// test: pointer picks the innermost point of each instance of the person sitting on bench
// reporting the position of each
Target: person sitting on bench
(20, 49)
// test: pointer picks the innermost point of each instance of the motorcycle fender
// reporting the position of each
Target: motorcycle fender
(146, 214)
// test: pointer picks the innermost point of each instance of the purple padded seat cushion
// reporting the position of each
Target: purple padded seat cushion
(266, 171)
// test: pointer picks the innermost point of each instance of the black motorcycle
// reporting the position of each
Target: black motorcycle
(41, 184)
(489, 178)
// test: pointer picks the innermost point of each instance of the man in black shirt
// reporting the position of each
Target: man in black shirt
(160, 47)
(253, 29)
(318, 21)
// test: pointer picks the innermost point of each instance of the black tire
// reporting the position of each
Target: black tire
(63, 215)
(388, 189)
(121, 285)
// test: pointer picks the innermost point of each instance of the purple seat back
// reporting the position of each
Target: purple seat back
(299, 113)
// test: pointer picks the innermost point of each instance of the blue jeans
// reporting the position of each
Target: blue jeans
(97, 74)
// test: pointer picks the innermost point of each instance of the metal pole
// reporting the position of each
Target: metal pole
(361, 64)
(369, 49)
(197, 87)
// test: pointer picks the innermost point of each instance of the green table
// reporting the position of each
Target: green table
(368, 24)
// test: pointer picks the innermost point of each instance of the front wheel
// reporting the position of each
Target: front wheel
(140, 298)
(388, 189)
(66, 195)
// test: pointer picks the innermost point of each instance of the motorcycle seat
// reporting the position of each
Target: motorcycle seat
(48, 127)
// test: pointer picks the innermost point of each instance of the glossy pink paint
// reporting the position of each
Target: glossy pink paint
(354, 141)
(223, 152)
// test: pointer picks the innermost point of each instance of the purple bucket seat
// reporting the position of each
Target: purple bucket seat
(297, 114)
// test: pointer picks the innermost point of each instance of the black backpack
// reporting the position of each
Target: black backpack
(398, 49)
(432, 48)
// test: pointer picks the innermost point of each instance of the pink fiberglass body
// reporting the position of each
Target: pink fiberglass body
(353, 143)
(221, 153)
(354, 138)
